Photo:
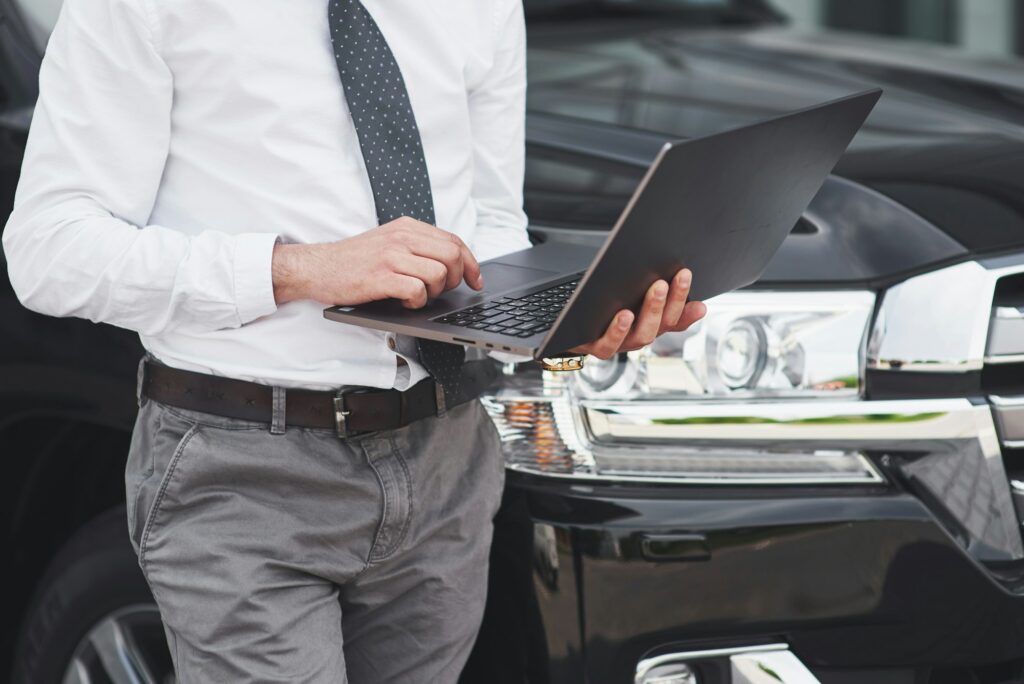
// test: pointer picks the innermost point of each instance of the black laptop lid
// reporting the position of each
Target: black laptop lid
(728, 201)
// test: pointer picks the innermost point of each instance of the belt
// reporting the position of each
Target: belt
(348, 412)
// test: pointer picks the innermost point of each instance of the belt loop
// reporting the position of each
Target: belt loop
(278, 415)
(442, 407)
(140, 381)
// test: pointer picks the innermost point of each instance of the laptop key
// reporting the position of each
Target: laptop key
(509, 314)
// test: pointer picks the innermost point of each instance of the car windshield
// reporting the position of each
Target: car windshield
(703, 10)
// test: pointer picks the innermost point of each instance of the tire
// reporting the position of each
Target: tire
(93, 617)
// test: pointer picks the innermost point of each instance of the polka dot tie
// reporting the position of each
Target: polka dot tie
(390, 143)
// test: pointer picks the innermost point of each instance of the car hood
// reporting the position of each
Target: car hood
(946, 141)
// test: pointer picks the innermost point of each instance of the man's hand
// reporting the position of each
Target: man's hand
(665, 309)
(405, 259)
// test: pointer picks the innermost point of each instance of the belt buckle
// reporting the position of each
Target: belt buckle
(341, 416)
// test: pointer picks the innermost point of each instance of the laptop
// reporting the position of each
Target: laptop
(720, 205)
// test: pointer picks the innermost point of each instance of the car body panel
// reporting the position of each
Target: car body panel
(851, 579)
(946, 141)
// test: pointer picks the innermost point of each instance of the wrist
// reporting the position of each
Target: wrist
(289, 271)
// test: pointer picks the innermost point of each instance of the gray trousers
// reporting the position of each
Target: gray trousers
(301, 557)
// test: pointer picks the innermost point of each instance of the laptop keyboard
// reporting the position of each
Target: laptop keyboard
(519, 316)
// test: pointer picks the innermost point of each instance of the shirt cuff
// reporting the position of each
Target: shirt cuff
(254, 282)
(505, 357)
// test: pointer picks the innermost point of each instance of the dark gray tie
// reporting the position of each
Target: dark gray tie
(390, 143)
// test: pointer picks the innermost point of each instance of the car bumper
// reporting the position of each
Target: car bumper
(848, 579)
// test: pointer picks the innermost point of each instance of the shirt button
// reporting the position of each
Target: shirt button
(391, 344)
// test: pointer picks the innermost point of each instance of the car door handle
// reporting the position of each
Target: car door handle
(675, 547)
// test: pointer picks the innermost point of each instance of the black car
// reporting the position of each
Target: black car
(821, 482)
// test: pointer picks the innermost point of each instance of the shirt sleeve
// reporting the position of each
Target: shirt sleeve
(77, 242)
(497, 108)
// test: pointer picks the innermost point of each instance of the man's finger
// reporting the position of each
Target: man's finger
(649, 322)
(609, 343)
(433, 274)
(411, 291)
(676, 302)
(471, 268)
(449, 254)
(693, 312)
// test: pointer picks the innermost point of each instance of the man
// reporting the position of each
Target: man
(211, 173)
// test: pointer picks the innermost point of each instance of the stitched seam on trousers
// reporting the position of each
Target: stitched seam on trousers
(246, 425)
(173, 635)
(133, 506)
(155, 510)
(133, 509)
(174, 638)
(408, 514)
(383, 516)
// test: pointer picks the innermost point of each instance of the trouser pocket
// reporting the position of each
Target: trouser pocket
(159, 442)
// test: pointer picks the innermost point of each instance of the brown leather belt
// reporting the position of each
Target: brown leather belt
(347, 412)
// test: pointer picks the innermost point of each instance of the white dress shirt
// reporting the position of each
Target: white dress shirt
(174, 142)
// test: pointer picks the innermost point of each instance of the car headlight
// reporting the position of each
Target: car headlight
(753, 350)
(751, 345)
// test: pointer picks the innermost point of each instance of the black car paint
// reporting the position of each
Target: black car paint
(851, 579)
(946, 141)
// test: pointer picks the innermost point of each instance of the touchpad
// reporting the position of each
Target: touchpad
(499, 278)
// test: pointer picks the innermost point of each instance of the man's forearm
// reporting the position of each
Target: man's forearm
(290, 269)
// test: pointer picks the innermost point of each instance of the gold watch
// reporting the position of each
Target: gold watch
(563, 362)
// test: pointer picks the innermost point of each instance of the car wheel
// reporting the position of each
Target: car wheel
(93, 619)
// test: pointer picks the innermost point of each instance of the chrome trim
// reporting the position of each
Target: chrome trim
(571, 423)
(959, 458)
(869, 476)
(645, 665)
(958, 441)
(1006, 336)
(763, 664)
(1004, 358)
(1000, 400)
(1009, 416)
(1007, 313)
(776, 667)
(912, 331)
(851, 424)
(927, 366)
